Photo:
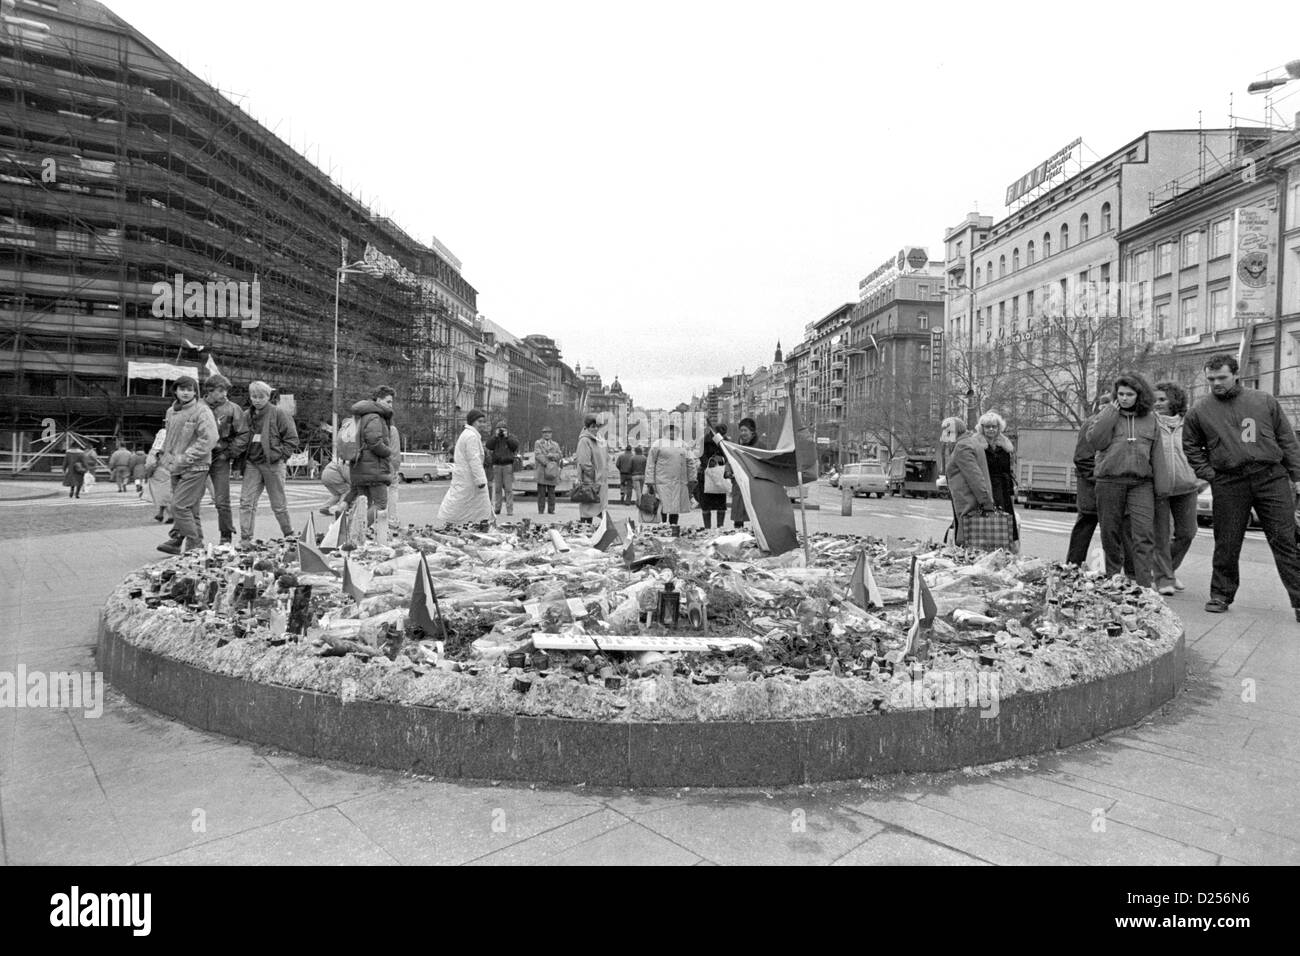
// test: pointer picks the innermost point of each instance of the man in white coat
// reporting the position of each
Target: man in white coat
(468, 500)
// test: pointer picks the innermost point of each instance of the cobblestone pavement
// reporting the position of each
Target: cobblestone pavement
(1212, 779)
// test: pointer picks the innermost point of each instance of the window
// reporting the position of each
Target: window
(959, 248)
(1065, 237)
(1191, 249)
(977, 275)
(1161, 319)
(1029, 253)
(988, 270)
(1293, 201)
(1190, 315)
(1164, 258)
(1015, 259)
(1047, 244)
(1105, 217)
(1220, 317)
(1029, 305)
(1015, 314)
(1104, 290)
(1083, 228)
(1002, 266)
(1220, 238)
(923, 320)
(922, 291)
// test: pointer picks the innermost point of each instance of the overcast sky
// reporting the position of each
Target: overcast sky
(668, 189)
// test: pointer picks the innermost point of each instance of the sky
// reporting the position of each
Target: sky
(669, 189)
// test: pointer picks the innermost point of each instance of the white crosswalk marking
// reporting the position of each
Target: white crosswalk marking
(297, 495)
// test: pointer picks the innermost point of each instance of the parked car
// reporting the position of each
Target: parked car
(865, 478)
(422, 466)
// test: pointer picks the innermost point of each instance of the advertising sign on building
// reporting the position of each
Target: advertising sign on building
(1253, 246)
(1042, 172)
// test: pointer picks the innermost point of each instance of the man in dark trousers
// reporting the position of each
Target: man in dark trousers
(272, 438)
(501, 450)
(624, 466)
(1240, 441)
(1086, 494)
(232, 443)
(374, 467)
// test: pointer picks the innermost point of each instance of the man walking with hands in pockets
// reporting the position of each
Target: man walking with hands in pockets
(1240, 441)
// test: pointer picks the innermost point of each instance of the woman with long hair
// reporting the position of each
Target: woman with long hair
(1176, 487)
(1124, 435)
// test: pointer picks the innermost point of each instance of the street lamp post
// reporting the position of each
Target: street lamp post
(360, 267)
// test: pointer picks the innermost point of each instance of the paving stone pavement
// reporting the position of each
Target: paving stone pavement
(1212, 779)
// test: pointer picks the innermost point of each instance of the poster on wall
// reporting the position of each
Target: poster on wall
(1253, 246)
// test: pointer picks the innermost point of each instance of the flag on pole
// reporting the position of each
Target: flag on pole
(356, 580)
(191, 345)
(606, 535)
(862, 584)
(762, 487)
(211, 366)
(310, 559)
(923, 606)
(308, 532)
(425, 613)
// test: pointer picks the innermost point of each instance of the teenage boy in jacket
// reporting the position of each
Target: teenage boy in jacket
(272, 439)
(232, 443)
(373, 469)
(1240, 441)
(187, 454)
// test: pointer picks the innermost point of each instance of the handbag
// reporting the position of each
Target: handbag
(715, 481)
(517, 465)
(585, 493)
(985, 531)
(648, 503)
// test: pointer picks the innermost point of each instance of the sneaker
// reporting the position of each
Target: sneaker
(170, 547)
(327, 511)
(1215, 606)
(1168, 589)
(1179, 585)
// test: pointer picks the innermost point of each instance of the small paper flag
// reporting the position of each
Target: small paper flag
(425, 613)
(355, 580)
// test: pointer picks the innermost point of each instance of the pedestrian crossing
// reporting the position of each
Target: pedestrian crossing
(109, 497)
(1048, 522)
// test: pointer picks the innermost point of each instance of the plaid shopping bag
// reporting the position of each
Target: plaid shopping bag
(987, 531)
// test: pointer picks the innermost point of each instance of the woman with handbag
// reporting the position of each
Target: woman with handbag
(1176, 488)
(593, 471)
(998, 451)
(971, 489)
(668, 475)
(1124, 435)
(711, 475)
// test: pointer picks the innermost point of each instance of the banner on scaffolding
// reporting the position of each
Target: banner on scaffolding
(160, 370)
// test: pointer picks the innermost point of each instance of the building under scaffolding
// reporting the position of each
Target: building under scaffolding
(146, 221)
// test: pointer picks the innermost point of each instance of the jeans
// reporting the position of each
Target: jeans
(624, 488)
(259, 475)
(546, 499)
(503, 488)
(1268, 491)
(187, 492)
(1169, 554)
(638, 487)
(220, 474)
(377, 497)
(1117, 500)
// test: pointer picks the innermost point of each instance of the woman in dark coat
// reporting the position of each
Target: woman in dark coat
(711, 455)
(74, 471)
(998, 451)
(748, 436)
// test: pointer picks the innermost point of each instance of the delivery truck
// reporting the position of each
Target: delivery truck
(1045, 475)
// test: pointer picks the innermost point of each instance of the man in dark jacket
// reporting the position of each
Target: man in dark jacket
(373, 468)
(501, 450)
(232, 443)
(272, 439)
(624, 466)
(1240, 441)
(1086, 523)
(187, 456)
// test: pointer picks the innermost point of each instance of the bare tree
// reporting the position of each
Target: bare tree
(895, 410)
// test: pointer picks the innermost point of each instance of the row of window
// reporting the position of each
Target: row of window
(984, 276)
(1190, 248)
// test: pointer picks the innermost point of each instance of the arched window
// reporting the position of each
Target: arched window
(1015, 259)
(988, 270)
(1002, 266)
(1029, 253)
(1105, 217)
(1047, 244)
(1065, 237)
(977, 275)
(1083, 228)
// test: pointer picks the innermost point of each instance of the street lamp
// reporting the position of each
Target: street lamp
(361, 267)
(1263, 86)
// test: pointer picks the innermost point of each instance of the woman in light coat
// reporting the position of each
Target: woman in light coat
(668, 475)
(593, 466)
(467, 500)
(1176, 487)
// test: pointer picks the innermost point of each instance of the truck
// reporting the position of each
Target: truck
(1045, 474)
(915, 476)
